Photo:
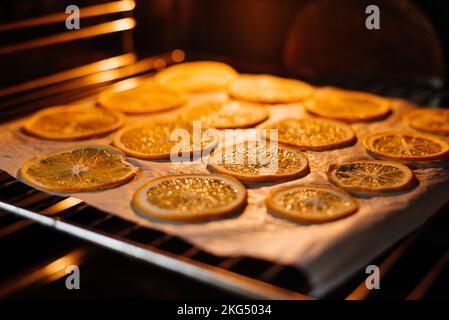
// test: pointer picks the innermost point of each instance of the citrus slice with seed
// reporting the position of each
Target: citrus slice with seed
(164, 139)
(227, 115)
(313, 133)
(141, 100)
(406, 146)
(371, 176)
(73, 123)
(257, 161)
(269, 89)
(190, 197)
(430, 120)
(78, 169)
(312, 203)
(348, 106)
(201, 76)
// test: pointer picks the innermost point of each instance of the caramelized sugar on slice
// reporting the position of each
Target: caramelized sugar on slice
(312, 203)
(260, 161)
(314, 133)
(190, 197)
(161, 139)
(371, 176)
(227, 115)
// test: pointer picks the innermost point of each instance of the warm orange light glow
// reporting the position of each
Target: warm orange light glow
(63, 205)
(178, 55)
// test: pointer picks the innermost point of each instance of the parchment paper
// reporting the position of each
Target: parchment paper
(328, 252)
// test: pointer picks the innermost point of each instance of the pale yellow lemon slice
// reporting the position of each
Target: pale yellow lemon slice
(312, 203)
(257, 161)
(190, 197)
(163, 139)
(371, 176)
(406, 146)
(313, 133)
(227, 115)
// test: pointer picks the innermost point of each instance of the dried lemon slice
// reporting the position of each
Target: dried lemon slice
(313, 133)
(163, 139)
(371, 176)
(257, 161)
(431, 120)
(78, 169)
(190, 197)
(227, 115)
(348, 106)
(269, 89)
(312, 203)
(141, 100)
(73, 123)
(406, 146)
(198, 76)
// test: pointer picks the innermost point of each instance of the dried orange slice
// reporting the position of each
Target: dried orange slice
(198, 76)
(313, 133)
(371, 176)
(406, 146)
(163, 139)
(227, 115)
(269, 89)
(257, 161)
(73, 123)
(430, 120)
(190, 197)
(141, 100)
(76, 169)
(312, 203)
(348, 106)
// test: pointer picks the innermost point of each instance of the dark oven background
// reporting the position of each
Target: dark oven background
(324, 39)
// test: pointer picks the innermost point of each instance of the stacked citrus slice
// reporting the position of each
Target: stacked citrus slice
(190, 197)
(164, 139)
(259, 161)
(407, 146)
(313, 133)
(78, 169)
(269, 89)
(141, 100)
(229, 114)
(430, 120)
(73, 123)
(312, 203)
(347, 106)
(371, 176)
(199, 76)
